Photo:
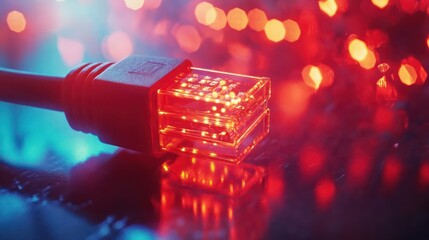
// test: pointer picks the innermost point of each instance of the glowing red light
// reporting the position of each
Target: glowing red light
(257, 19)
(292, 98)
(358, 169)
(324, 193)
(311, 161)
(424, 174)
(391, 172)
(293, 31)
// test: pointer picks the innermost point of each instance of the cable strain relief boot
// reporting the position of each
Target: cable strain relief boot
(118, 101)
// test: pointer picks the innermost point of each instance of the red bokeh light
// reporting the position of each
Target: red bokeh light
(293, 31)
(257, 19)
(324, 193)
(424, 174)
(311, 161)
(392, 170)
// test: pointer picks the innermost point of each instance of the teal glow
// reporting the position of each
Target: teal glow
(137, 233)
(32, 137)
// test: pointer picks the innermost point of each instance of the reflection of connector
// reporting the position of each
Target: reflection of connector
(213, 114)
(154, 104)
(219, 177)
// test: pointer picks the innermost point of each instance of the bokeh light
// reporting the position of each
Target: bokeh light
(188, 38)
(117, 46)
(237, 19)
(392, 171)
(71, 51)
(257, 19)
(16, 21)
(412, 72)
(407, 74)
(220, 22)
(317, 76)
(134, 4)
(275, 30)
(329, 7)
(324, 193)
(205, 13)
(369, 61)
(358, 49)
(380, 3)
(293, 31)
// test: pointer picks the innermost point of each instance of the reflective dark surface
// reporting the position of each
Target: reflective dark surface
(332, 177)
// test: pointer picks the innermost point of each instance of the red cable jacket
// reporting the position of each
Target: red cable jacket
(29, 89)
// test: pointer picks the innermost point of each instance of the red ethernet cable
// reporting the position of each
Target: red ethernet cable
(153, 105)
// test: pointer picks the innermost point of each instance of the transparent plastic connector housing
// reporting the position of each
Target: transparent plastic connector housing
(213, 114)
(218, 177)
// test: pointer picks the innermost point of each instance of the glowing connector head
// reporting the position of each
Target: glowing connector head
(213, 114)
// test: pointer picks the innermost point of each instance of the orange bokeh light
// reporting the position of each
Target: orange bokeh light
(369, 61)
(380, 3)
(275, 30)
(358, 49)
(237, 19)
(257, 19)
(205, 13)
(412, 72)
(317, 76)
(16, 21)
(134, 4)
(329, 7)
(407, 74)
(220, 21)
(188, 38)
(293, 31)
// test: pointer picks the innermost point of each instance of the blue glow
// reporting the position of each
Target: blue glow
(137, 233)
(15, 206)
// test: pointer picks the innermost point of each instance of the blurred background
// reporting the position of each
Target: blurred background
(349, 80)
